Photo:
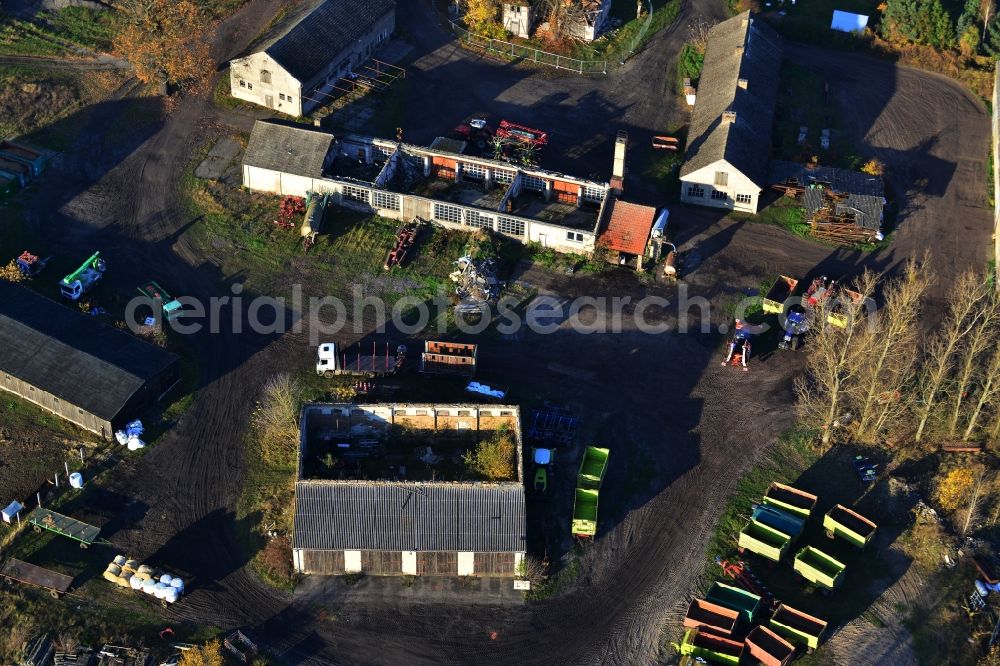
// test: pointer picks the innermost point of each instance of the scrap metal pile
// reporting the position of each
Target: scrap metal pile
(290, 210)
(476, 284)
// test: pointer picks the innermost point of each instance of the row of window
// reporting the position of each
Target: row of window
(249, 86)
(698, 192)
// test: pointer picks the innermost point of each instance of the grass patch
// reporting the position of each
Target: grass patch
(94, 29)
(622, 43)
(689, 64)
(556, 583)
(990, 184)
(786, 212)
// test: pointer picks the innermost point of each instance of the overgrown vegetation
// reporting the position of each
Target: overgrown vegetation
(164, 40)
(494, 458)
(209, 654)
(786, 212)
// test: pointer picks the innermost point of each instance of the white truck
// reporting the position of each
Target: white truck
(83, 279)
(330, 361)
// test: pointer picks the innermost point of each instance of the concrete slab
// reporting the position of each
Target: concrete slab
(219, 159)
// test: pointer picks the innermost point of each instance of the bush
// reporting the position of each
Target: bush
(494, 459)
(689, 63)
(276, 419)
(210, 654)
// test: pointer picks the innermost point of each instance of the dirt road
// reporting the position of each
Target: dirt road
(683, 428)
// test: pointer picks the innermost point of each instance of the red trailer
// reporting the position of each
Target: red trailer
(522, 134)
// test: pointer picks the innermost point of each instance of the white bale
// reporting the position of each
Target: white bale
(148, 585)
(76, 480)
(160, 590)
(178, 583)
(171, 595)
(120, 560)
(121, 437)
(166, 579)
(134, 444)
(135, 582)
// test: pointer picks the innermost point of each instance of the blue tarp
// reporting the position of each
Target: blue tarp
(780, 520)
(134, 429)
(848, 21)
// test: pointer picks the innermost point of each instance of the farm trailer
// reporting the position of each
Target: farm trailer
(43, 519)
(849, 525)
(782, 289)
(592, 468)
(747, 604)
(798, 627)
(702, 645)
(769, 648)
(29, 574)
(778, 519)
(585, 512)
(765, 541)
(790, 499)
(819, 568)
(713, 617)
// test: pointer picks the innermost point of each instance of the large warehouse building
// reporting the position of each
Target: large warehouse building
(404, 517)
(76, 367)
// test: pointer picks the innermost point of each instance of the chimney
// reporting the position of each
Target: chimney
(621, 143)
(742, 83)
(729, 116)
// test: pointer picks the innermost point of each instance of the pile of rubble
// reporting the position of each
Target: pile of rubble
(476, 283)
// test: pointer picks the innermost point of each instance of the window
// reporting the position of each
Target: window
(721, 178)
(591, 193)
(243, 84)
(533, 183)
(501, 176)
(696, 191)
(476, 219)
(510, 226)
(289, 98)
(446, 213)
(356, 193)
(249, 86)
(281, 96)
(265, 76)
(385, 200)
(743, 198)
(474, 171)
(719, 196)
(574, 236)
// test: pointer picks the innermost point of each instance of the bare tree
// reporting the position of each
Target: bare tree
(833, 361)
(939, 357)
(891, 342)
(969, 355)
(984, 479)
(989, 390)
(698, 31)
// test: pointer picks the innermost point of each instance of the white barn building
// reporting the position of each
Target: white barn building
(729, 139)
(299, 59)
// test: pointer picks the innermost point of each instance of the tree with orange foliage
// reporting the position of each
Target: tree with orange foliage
(164, 40)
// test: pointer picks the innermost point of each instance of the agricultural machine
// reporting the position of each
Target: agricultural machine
(289, 209)
(795, 327)
(474, 131)
(406, 236)
(30, 265)
(738, 352)
(312, 223)
(172, 308)
(83, 279)
(522, 134)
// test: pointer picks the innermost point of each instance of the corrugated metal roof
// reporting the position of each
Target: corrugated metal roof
(745, 143)
(841, 181)
(74, 357)
(409, 516)
(296, 149)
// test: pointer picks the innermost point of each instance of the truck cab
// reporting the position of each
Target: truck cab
(326, 359)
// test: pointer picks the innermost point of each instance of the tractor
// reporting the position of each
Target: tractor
(795, 327)
(738, 350)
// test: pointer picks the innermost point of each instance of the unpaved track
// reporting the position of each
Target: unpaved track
(698, 425)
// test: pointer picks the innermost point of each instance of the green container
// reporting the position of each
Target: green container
(585, 512)
(710, 647)
(765, 541)
(817, 567)
(791, 499)
(849, 526)
(747, 604)
(592, 468)
(798, 627)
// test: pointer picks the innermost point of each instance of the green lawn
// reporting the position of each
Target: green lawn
(58, 32)
(785, 212)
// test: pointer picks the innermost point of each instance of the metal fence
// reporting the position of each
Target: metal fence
(527, 53)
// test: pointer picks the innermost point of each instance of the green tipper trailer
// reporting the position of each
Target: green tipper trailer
(765, 541)
(592, 468)
(585, 512)
(712, 648)
(848, 525)
(747, 604)
(779, 519)
(791, 499)
(798, 627)
(817, 567)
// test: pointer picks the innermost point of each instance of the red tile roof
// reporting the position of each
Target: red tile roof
(629, 226)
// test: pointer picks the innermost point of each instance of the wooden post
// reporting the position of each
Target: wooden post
(81, 455)
(57, 479)
(66, 465)
(38, 496)
(18, 514)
